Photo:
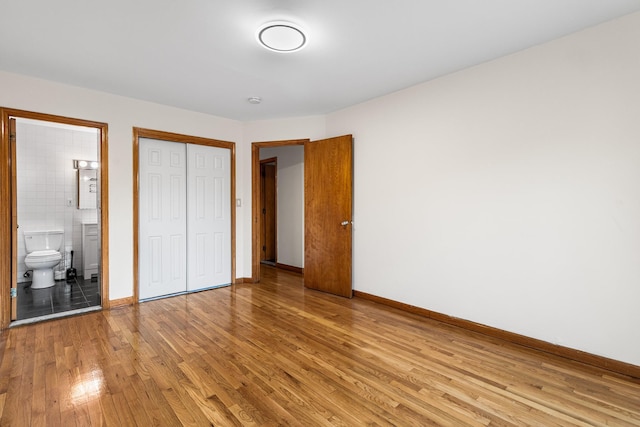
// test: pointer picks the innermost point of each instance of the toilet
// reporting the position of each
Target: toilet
(42, 256)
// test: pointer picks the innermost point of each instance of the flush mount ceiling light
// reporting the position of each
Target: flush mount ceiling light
(254, 100)
(281, 36)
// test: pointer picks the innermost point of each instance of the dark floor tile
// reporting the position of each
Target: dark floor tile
(63, 296)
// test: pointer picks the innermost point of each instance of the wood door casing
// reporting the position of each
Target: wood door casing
(328, 209)
(268, 170)
(14, 219)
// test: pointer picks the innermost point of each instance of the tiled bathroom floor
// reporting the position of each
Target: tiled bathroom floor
(56, 299)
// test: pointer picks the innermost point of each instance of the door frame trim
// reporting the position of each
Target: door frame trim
(255, 199)
(186, 139)
(8, 225)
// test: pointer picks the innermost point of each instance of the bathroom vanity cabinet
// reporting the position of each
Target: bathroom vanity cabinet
(89, 250)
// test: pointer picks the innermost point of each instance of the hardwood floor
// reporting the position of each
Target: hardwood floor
(276, 354)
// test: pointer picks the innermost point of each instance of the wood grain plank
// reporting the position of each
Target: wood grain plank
(328, 206)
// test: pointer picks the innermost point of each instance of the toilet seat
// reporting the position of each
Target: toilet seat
(44, 256)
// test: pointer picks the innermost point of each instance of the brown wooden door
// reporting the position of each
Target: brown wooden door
(268, 206)
(328, 191)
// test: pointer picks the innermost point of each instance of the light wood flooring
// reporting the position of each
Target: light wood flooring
(276, 354)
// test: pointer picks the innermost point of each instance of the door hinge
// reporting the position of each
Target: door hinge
(264, 248)
(14, 292)
(264, 211)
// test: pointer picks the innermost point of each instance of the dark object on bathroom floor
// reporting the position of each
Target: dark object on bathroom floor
(71, 272)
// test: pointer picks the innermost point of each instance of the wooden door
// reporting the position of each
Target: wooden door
(162, 217)
(208, 217)
(328, 192)
(268, 206)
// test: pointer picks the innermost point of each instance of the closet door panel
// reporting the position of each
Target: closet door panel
(208, 217)
(162, 218)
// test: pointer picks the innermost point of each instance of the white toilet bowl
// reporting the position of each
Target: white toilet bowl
(42, 256)
(42, 263)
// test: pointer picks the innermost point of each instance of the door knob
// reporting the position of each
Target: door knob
(344, 223)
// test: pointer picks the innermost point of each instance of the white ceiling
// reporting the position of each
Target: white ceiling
(202, 55)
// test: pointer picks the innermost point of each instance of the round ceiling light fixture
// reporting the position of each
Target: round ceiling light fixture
(281, 37)
(254, 100)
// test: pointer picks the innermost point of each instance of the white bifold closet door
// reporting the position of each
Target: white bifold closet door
(184, 218)
(208, 217)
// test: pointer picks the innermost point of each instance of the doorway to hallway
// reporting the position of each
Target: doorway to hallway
(327, 205)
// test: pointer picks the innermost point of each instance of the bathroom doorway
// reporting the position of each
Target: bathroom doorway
(58, 195)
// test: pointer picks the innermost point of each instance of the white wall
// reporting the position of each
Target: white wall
(121, 114)
(290, 203)
(509, 194)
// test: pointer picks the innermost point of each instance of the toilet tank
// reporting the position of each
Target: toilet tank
(43, 240)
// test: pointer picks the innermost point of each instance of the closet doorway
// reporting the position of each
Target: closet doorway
(184, 219)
